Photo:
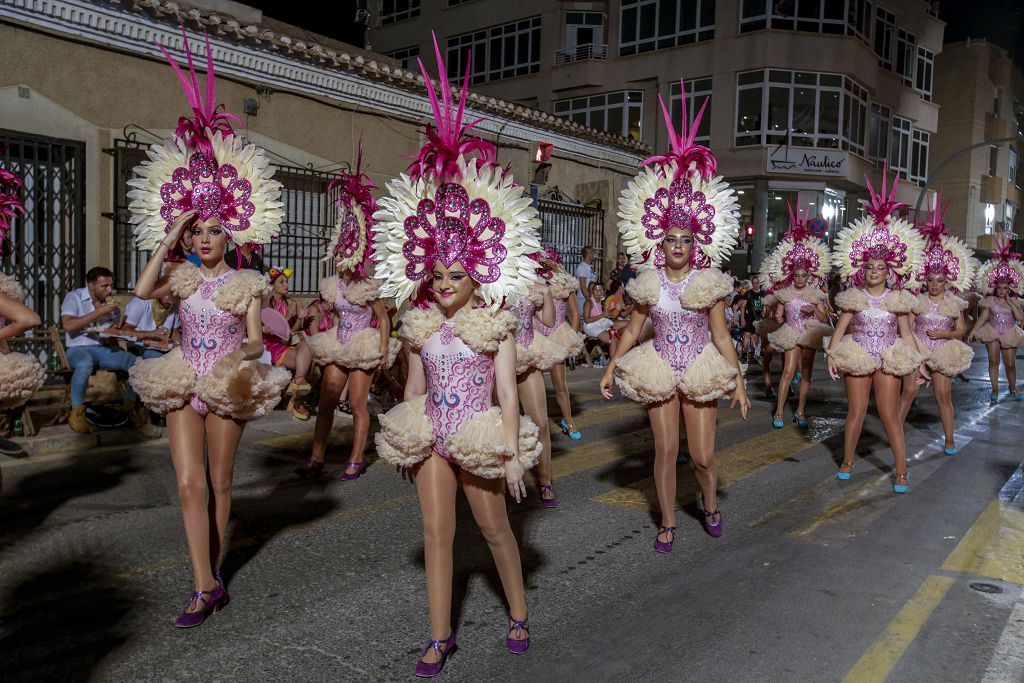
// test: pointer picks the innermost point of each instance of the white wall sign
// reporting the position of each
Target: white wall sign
(807, 161)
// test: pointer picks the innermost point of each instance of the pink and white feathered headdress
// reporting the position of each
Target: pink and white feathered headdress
(799, 248)
(945, 254)
(351, 245)
(1004, 267)
(881, 235)
(679, 189)
(11, 203)
(205, 167)
(455, 205)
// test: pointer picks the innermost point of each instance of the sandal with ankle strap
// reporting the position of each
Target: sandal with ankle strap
(517, 647)
(665, 546)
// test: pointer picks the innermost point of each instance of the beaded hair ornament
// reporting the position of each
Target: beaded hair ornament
(679, 189)
(205, 167)
(11, 203)
(454, 205)
(1004, 267)
(945, 254)
(881, 235)
(798, 249)
(351, 244)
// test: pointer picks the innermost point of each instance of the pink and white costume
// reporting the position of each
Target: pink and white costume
(355, 341)
(875, 342)
(799, 328)
(947, 356)
(1000, 326)
(456, 417)
(533, 351)
(213, 324)
(561, 333)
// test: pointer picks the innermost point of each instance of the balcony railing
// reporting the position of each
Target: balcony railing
(581, 52)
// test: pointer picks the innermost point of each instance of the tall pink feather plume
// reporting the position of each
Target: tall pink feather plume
(355, 193)
(449, 140)
(935, 227)
(208, 116)
(1004, 248)
(882, 205)
(798, 231)
(683, 149)
(11, 203)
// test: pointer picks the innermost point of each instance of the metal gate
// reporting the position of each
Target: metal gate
(47, 254)
(569, 226)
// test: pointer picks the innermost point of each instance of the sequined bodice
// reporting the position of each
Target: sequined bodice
(352, 319)
(679, 333)
(560, 311)
(208, 333)
(1001, 318)
(875, 328)
(932, 320)
(524, 310)
(459, 383)
(795, 317)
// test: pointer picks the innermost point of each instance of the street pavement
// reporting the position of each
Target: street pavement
(813, 580)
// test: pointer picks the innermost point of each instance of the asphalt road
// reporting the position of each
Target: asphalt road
(814, 579)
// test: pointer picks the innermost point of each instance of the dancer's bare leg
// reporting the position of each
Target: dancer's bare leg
(665, 418)
(791, 364)
(222, 435)
(944, 397)
(699, 419)
(334, 380)
(186, 432)
(910, 391)
(806, 368)
(887, 400)
(858, 389)
(535, 404)
(993, 365)
(1010, 366)
(558, 379)
(436, 483)
(359, 382)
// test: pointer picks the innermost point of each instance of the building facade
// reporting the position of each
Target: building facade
(976, 158)
(84, 90)
(806, 96)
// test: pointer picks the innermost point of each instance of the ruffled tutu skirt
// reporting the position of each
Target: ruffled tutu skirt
(788, 337)
(766, 326)
(899, 359)
(542, 353)
(21, 376)
(949, 358)
(245, 392)
(362, 351)
(1011, 339)
(643, 376)
(406, 437)
(568, 338)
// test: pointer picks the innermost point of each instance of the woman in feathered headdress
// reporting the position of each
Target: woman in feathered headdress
(204, 188)
(872, 251)
(454, 235)
(999, 323)
(563, 333)
(948, 267)
(679, 223)
(21, 375)
(361, 343)
(803, 262)
(768, 276)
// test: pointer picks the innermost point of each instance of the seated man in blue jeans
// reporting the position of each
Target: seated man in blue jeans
(90, 308)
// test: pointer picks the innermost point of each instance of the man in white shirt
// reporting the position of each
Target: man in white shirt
(585, 274)
(141, 318)
(90, 308)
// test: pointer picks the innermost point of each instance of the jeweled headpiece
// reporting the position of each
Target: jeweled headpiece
(1004, 267)
(11, 203)
(455, 205)
(881, 235)
(205, 167)
(945, 254)
(679, 189)
(799, 248)
(351, 246)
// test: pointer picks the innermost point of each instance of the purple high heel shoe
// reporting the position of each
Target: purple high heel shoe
(431, 669)
(517, 647)
(713, 523)
(665, 546)
(350, 476)
(212, 601)
(551, 502)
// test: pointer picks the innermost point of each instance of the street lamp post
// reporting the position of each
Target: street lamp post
(966, 150)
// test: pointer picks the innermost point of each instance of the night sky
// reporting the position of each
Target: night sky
(999, 21)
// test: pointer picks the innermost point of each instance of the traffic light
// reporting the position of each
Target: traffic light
(750, 234)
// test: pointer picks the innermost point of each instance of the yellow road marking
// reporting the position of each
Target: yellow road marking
(879, 659)
(992, 546)
(734, 464)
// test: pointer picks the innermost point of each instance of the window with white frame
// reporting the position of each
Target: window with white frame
(697, 90)
(397, 10)
(859, 17)
(990, 218)
(502, 51)
(647, 25)
(899, 147)
(885, 37)
(993, 160)
(407, 56)
(617, 112)
(925, 70)
(906, 56)
(1011, 174)
(583, 28)
(1009, 213)
(879, 122)
(919, 156)
(813, 16)
(803, 108)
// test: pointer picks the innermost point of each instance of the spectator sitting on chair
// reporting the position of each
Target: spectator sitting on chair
(597, 322)
(90, 308)
(585, 274)
(153, 321)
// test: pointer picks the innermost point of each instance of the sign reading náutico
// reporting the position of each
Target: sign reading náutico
(807, 161)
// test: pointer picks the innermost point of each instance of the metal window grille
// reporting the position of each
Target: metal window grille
(569, 226)
(47, 254)
(309, 221)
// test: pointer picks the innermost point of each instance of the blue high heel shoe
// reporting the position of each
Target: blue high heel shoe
(800, 420)
(994, 397)
(900, 488)
(778, 423)
(573, 433)
(1016, 396)
(844, 476)
(948, 451)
